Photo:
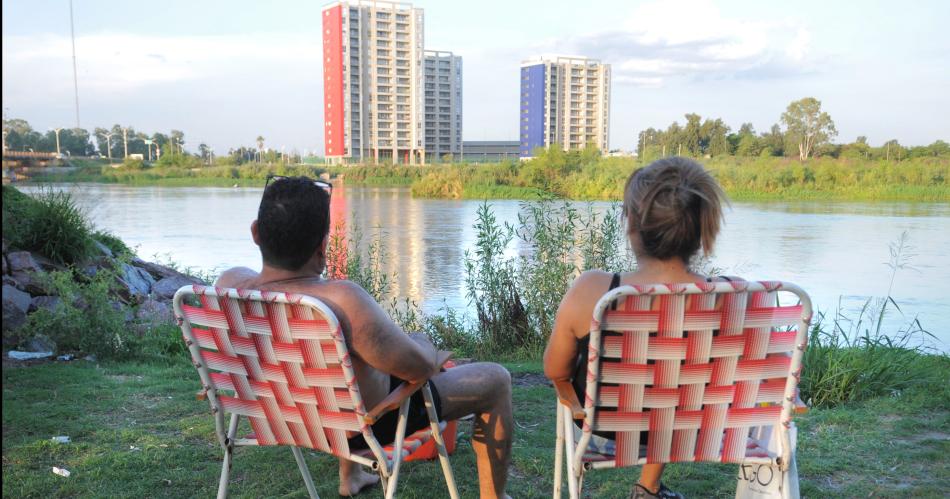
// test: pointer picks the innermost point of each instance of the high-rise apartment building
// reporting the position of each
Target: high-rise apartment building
(565, 101)
(373, 74)
(443, 99)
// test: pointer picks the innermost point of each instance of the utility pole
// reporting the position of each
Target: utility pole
(72, 33)
(57, 130)
(125, 141)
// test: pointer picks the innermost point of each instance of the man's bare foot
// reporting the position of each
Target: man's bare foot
(356, 481)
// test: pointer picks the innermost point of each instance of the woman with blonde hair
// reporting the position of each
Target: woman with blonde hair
(673, 209)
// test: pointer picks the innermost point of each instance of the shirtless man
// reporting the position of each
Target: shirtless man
(291, 230)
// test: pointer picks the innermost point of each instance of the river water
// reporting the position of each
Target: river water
(837, 251)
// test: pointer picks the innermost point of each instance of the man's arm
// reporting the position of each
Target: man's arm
(378, 340)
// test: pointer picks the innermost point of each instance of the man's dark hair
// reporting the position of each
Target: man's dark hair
(292, 222)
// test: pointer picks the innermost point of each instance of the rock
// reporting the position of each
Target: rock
(102, 248)
(136, 283)
(40, 343)
(6, 268)
(22, 261)
(16, 303)
(121, 307)
(165, 289)
(155, 312)
(28, 282)
(6, 246)
(9, 281)
(45, 302)
(157, 271)
(47, 264)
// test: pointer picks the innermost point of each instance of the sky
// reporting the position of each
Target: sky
(225, 72)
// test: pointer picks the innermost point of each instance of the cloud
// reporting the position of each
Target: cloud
(222, 89)
(111, 63)
(692, 40)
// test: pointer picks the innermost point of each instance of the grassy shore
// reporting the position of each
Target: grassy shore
(576, 176)
(138, 431)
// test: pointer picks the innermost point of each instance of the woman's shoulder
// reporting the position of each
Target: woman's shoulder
(593, 278)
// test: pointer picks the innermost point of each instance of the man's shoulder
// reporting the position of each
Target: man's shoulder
(235, 277)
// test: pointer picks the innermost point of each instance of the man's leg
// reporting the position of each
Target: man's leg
(483, 389)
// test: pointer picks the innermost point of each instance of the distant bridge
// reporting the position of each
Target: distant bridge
(30, 155)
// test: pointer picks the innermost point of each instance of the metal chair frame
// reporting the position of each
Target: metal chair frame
(273, 349)
(762, 340)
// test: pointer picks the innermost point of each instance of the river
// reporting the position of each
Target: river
(837, 251)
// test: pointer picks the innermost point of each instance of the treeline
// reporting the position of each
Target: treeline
(588, 176)
(119, 142)
(806, 131)
(116, 142)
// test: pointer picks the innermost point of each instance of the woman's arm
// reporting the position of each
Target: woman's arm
(571, 322)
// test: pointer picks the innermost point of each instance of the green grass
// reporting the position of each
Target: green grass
(137, 431)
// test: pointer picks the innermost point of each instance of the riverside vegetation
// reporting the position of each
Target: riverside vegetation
(583, 175)
(130, 417)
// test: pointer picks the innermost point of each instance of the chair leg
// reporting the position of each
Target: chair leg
(225, 471)
(228, 457)
(307, 479)
(573, 481)
(558, 452)
(390, 489)
(439, 443)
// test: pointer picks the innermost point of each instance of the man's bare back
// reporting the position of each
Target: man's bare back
(352, 307)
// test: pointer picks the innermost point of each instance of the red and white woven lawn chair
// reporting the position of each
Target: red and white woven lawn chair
(709, 370)
(283, 363)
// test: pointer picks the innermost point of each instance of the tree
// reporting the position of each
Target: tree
(713, 139)
(773, 142)
(692, 135)
(21, 136)
(260, 145)
(177, 142)
(205, 152)
(806, 125)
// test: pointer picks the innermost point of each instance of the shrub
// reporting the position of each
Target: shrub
(111, 241)
(51, 224)
(86, 320)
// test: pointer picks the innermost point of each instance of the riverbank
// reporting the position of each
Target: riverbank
(577, 177)
(136, 430)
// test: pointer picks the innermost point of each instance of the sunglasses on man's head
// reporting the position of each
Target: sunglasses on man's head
(327, 186)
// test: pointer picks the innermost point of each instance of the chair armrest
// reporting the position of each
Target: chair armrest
(402, 392)
(566, 396)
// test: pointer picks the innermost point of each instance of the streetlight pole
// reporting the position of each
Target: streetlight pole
(125, 141)
(108, 137)
(56, 131)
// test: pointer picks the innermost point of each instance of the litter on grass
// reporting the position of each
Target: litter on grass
(18, 355)
(61, 471)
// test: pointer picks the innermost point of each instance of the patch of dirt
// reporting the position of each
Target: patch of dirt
(9, 363)
(928, 435)
(530, 379)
